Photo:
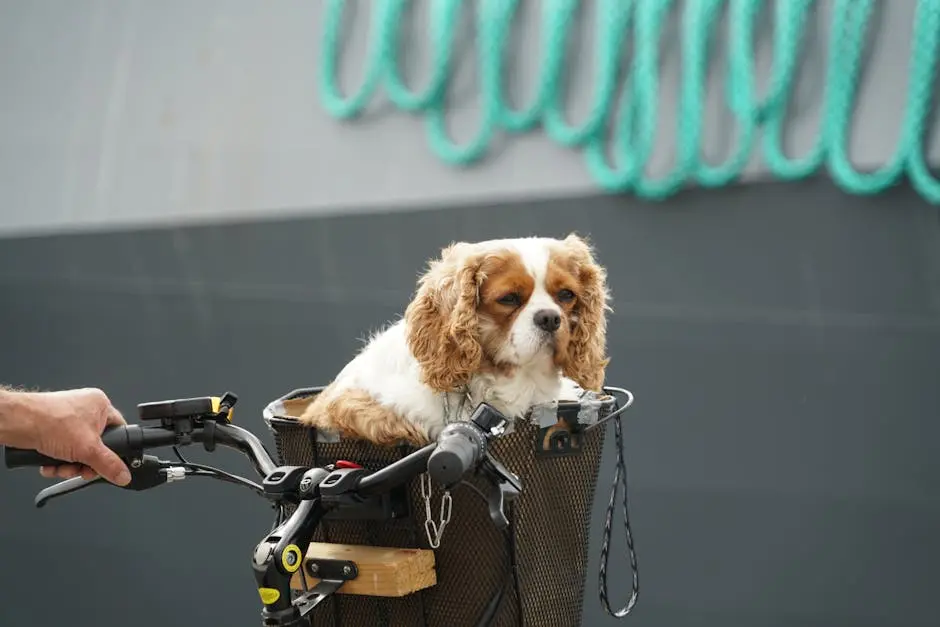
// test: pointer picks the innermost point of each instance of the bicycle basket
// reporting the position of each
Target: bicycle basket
(539, 562)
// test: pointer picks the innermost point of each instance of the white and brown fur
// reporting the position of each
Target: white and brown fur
(464, 332)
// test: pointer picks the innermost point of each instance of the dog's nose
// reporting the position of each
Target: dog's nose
(547, 320)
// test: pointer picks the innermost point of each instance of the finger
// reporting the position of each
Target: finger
(67, 471)
(47, 471)
(114, 417)
(108, 465)
(88, 474)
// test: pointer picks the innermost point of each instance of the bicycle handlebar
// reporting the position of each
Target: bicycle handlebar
(130, 442)
(460, 449)
(123, 440)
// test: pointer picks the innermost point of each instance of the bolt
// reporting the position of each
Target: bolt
(136, 463)
(262, 552)
(314, 568)
(347, 570)
(305, 484)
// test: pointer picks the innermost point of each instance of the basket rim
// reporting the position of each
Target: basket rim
(610, 402)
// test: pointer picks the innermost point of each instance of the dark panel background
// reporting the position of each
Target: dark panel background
(782, 341)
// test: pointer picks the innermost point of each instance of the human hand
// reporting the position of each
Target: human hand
(68, 426)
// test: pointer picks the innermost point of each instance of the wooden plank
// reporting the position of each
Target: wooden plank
(383, 571)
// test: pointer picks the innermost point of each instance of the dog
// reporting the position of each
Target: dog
(510, 322)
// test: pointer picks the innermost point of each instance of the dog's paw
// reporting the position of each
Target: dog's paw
(570, 391)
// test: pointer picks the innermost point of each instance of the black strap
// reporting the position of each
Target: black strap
(620, 475)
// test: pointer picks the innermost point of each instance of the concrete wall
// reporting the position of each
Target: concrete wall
(782, 340)
(129, 112)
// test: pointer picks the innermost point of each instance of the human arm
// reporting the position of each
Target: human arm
(66, 425)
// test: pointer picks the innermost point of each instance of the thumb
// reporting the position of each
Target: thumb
(108, 465)
(114, 418)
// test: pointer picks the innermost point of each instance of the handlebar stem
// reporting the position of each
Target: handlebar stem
(281, 553)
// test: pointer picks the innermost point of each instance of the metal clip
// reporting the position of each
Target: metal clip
(433, 530)
(175, 473)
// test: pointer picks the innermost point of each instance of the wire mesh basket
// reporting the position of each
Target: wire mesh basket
(530, 574)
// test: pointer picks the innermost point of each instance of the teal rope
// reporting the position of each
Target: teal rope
(627, 130)
(329, 91)
(739, 95)
(441, 23)
(611, 19)
(854, 14)
(490, 70)
(920, 96)
(519, 121)
(790, 20)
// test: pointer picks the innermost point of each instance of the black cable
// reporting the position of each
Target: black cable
(489, 613)
(223, 473)
(201, 470)
(514, 565)
(475, 489)
(620, 475)
(179, 455)
(278, 516)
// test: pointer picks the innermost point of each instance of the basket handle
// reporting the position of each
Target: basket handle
(620, 476)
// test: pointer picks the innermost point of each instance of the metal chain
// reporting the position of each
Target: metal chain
(465, 398)
(435, 530)
(446, 399)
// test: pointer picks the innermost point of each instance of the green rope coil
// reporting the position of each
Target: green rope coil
(626, 129)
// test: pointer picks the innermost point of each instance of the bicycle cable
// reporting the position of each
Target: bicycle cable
(220, 474)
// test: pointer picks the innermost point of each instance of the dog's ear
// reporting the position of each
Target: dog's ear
(586, 361)
(441, 321)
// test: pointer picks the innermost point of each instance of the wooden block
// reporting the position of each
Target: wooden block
(383, 571)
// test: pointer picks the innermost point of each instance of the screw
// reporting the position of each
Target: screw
(314, 568)
(305, 484)
(347, 570)
(136, 463)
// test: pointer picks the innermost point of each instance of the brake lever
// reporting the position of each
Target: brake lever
(149, 473)
(504, 486)
(62, 488)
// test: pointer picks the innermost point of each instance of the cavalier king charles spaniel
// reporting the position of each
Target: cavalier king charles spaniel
(511, 322)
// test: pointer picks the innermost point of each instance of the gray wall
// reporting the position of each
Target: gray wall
(782, 340)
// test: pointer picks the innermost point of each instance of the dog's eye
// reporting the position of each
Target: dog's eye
(565, 296)
(510, 300)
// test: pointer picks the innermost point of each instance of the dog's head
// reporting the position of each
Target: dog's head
(502, 305)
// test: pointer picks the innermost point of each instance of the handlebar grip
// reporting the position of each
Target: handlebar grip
(117, 438)
(460, 448)
(21, 458)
